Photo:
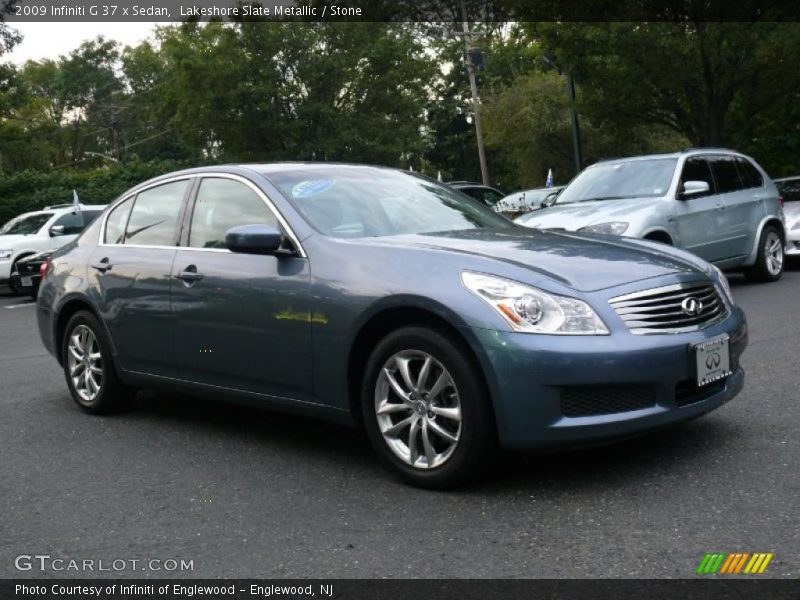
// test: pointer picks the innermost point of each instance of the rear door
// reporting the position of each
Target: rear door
(130, 272)
(243, 321)
(699, 218)
(746, 207)
(733, 233)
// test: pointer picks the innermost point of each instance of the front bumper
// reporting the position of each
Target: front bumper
(530, 376)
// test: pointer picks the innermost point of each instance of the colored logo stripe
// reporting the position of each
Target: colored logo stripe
(734, 563)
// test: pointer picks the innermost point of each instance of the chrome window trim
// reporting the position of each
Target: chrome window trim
(210, 174)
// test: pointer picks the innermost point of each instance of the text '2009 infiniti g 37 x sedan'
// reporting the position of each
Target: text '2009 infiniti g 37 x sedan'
(377, 297)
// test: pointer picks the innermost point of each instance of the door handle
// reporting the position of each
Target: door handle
(719, 207)
(189, 275)
(757, 197)
(102, 265)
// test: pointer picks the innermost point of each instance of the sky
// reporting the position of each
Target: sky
(50, 40)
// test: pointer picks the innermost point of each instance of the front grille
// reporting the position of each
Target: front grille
(661, 310)
(688, 392)
(588, 401)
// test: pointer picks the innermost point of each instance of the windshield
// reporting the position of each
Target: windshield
(790, 190)
(25, 225)
(349, 202)
(613, 181)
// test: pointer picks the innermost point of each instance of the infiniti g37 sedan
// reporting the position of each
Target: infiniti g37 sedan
(716, 203)
(379, 298)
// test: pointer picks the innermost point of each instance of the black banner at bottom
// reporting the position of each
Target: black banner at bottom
(394, 589)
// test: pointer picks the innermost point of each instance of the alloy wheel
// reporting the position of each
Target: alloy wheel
(418, 409)
(85, 363)
(773, 253)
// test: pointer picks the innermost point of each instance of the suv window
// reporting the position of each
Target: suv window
(790, 190)
(222, 204)
(26, 225)
(116, 221)
(726, 173)
(74, 223)
(697, 169)
(154, 217)
(750, 176)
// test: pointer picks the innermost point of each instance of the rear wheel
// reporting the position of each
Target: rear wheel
(770, 258)
(426, 410)
(89, 368)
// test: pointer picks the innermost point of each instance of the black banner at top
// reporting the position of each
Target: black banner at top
(400, 10)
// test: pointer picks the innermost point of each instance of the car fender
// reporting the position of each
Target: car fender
(751, 259)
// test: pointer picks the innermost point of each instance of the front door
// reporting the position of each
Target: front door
(700, 218)
(243, 321)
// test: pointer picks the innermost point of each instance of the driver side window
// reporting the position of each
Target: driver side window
(697, 169)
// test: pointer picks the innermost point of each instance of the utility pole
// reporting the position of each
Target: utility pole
(473, 85)
(576, 133)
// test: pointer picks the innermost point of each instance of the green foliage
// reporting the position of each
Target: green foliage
(32, 190)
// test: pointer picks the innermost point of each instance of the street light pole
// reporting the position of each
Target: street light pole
(576, 133)
(473, 85)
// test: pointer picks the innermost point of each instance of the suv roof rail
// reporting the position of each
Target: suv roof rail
(54, 206)
(695, 148)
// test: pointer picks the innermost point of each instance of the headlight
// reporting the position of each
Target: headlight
(6, 254)
(612, 228)
(723, 282)
(530, 310)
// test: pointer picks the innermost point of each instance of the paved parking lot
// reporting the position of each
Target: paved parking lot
(248, 493)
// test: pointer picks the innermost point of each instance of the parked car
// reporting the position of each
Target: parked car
(371, 296)
(525, 201)
(484, 193)
(28, 273)
(715, 203)
(789, 189)
(34, 232)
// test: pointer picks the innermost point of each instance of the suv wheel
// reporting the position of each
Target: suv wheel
(14, 282)
(426, 410)
(89, 367)
(769, 262)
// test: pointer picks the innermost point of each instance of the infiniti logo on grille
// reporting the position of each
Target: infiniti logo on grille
(691, 306)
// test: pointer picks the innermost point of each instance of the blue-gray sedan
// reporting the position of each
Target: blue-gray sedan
(377, 297)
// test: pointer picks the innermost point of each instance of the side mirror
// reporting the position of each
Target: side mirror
(692, 188)
(57, 230)
(254, 239)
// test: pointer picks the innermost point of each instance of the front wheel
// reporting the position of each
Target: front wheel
(426, 409)
(89, 368)
(14, 282)
(769, 261)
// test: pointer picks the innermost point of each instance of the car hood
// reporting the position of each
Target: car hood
(10, 241)
(575, 215)
(584, 262)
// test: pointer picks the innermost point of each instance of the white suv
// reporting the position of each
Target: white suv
(39, 231)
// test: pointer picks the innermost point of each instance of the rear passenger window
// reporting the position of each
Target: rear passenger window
(726, 174)
(154, 218)
(750, 175)
(697, 169)
(115, 224)
(222, 204)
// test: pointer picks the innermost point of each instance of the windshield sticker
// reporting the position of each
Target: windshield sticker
(309, 187)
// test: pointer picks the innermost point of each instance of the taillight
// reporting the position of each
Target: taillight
(43, 268)
(781, 200)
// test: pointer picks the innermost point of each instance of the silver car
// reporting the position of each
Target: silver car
(716, 203)
(789, 189)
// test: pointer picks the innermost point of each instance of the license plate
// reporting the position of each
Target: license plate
(713, 360)
(26, 281)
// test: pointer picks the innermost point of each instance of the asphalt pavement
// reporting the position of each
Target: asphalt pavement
(242, 492)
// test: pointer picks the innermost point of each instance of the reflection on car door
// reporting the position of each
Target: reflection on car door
(243, 321)
(130, 275)
(699, 219)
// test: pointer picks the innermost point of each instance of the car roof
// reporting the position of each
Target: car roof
(686, 152)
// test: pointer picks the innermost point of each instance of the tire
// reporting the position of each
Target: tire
(770, 259)
(109, 395)
(459, 409)
(13, 282)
